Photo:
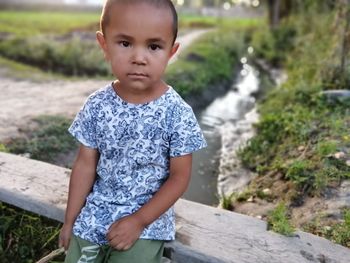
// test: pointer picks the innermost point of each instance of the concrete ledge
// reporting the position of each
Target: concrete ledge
(205, 234)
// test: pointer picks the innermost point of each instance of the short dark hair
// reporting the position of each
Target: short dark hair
(158, 3)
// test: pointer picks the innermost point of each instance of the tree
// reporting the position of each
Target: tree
(277, 9)
(344, 15)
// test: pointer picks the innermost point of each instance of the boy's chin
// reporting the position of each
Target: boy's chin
(136, 86)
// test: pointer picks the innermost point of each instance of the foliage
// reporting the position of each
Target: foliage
(273, 44)
(226, 202)
(340, 233)
(45, 142)
(278, 220)
(24, 236)
(209, 60)
(302, 139)
(300, 172)
(337, 232)
(297, 124)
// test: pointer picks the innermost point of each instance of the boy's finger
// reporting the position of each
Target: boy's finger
(60, 242)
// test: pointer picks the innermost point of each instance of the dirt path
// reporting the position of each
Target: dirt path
(21, 101)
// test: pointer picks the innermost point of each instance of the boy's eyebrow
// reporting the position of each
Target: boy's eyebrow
(151, 40)
(124, 36)
(159, 40)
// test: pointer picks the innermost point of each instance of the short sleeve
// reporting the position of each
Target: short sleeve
(186, 136)
(83, 127)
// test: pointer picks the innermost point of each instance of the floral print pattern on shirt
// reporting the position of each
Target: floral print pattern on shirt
(135, 142)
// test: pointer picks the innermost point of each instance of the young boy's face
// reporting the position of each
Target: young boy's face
(138, 42)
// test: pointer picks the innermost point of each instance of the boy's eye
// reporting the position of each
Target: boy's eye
(154, 47)
(124, 43)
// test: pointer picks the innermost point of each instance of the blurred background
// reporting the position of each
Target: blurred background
(269, 83)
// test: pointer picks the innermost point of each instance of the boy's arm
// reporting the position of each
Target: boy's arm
(123, 233)
(81, 181)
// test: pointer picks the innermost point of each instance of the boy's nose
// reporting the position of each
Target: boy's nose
(139, 57)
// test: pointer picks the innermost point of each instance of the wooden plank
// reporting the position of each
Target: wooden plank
(205, 234)
(233, 237)
(35, 186)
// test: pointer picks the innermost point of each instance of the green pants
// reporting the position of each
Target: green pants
(143, 251)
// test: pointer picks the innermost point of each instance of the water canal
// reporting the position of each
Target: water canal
(231, 107)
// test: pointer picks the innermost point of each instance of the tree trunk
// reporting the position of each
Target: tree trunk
(345, 48)
(278, 9)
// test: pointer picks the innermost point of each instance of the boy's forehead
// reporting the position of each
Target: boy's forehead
(127, 5)
(125, 16)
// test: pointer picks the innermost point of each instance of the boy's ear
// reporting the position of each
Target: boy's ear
(174, 49)
(102, 42)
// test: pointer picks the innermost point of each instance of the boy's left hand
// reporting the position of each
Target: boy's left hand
(123, 233)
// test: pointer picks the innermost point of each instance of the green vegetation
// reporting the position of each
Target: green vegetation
(18, 70)
(302, 139)
(192, 21)
(297, 123)
(74, 56)
(2, 148)
(65, 43)
(44, 143)
(23, 239)
(273, 45)
(278, 221)
(212, 58)
(59, 42)
(226, 202)
(32, 23)
(337, 232)
(209, 60)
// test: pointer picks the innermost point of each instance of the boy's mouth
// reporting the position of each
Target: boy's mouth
(138, 75)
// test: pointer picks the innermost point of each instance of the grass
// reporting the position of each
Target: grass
(301, 134)
(209, 60)
(212, 58)
(44, 40)
(338, 232)
(72, 57)
(195, 21)
(48, 140)
(296, 116)
(32, 23)
(278, 220)
(25, 237)
(16, 70)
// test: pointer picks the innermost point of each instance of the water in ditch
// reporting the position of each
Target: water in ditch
(231, 107)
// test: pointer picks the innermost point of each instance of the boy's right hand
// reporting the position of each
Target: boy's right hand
(65, 235)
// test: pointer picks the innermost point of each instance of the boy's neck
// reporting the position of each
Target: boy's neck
(140, 97)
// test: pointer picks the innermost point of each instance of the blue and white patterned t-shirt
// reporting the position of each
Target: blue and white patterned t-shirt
(135, 142)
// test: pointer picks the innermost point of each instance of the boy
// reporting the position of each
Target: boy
(136, 136)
